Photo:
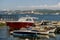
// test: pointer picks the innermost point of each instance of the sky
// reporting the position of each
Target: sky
(29, 4)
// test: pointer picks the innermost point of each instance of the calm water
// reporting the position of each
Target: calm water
(43, 17)
(40, 17)
(42, 37)
(4, 33)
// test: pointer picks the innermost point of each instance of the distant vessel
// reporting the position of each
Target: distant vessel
(57, 13)
(21, 23)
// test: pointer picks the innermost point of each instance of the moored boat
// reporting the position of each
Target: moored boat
(23, 22)
(41, 30)
(44, 32)
(52, 35)
(52, 30)
(44, 36)
(25, 33)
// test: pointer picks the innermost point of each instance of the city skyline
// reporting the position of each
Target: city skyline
(29, 4)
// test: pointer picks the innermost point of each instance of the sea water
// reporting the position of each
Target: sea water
(4, 32)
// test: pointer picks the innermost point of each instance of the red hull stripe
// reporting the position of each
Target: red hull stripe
(19, 24)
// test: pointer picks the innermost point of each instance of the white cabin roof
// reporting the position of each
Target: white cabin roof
(26, 19)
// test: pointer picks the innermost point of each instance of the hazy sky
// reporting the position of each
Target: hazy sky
(29, 4)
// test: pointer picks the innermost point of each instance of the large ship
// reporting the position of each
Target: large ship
(21, 23)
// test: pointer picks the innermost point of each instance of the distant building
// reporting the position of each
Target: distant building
(28, 11)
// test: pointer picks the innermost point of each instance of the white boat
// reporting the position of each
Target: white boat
(26, 33)
(41, 30)
(44, 32)
(52, 35)
(44, 36)
(52, 30)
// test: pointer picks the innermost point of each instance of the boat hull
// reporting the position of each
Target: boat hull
(52, 30)
(25, 34)
(18, 25)
(45, 33)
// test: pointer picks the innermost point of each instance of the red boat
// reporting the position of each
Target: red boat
(23, 22)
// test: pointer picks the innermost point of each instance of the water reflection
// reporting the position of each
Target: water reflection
(51, 36)
(4, 34)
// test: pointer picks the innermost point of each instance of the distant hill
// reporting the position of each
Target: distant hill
(47, 10)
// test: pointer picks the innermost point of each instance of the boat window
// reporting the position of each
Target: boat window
(28, 20)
